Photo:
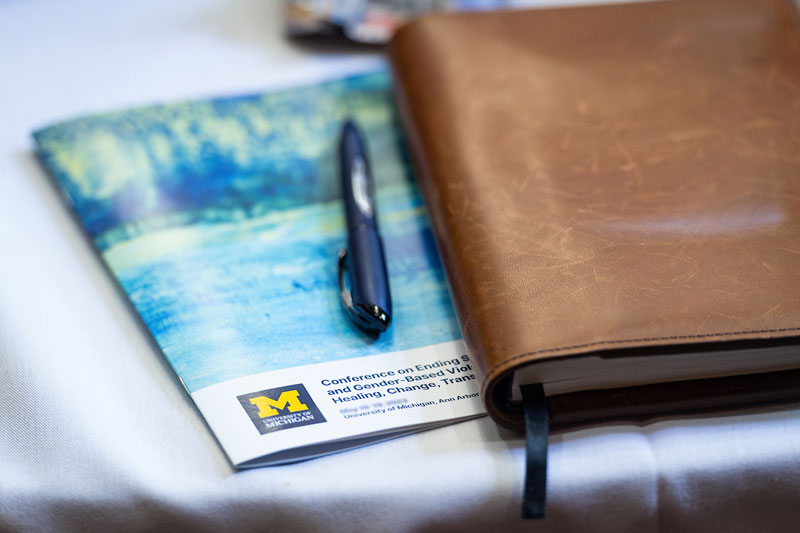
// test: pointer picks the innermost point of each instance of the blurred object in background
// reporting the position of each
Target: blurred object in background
(371, 21)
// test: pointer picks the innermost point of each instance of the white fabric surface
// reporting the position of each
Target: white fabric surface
(97, 434)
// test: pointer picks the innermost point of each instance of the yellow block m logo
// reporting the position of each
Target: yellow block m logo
(269, 407)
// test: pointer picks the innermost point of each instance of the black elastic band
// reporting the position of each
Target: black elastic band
(534, 404)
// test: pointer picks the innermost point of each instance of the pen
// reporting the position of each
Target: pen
(365, 293)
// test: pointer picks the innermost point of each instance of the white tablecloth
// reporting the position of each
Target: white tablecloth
(96, 432)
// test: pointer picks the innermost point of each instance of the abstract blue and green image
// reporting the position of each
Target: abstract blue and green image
(221, 220)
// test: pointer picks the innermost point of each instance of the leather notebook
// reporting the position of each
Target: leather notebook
(615, 193)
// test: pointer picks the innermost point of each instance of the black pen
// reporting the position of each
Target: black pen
(367, 301)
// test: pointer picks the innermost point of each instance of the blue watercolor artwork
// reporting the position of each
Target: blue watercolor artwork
(221, 220)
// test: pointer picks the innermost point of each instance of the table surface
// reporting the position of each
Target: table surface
(97, 433)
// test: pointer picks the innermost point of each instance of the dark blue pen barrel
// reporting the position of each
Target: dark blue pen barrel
(357, 186)
(369, 284)
(369, 280)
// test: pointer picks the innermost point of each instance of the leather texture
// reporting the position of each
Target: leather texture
(609, 177)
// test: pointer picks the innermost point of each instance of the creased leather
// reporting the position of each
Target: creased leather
(608, 177)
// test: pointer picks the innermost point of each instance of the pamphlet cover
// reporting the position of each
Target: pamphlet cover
(221, 221)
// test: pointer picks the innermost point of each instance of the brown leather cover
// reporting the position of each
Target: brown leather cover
(609, 177)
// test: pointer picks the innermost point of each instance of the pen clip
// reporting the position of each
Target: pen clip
(344, 294)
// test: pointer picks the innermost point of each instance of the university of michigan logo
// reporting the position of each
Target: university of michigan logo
(281, 408)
